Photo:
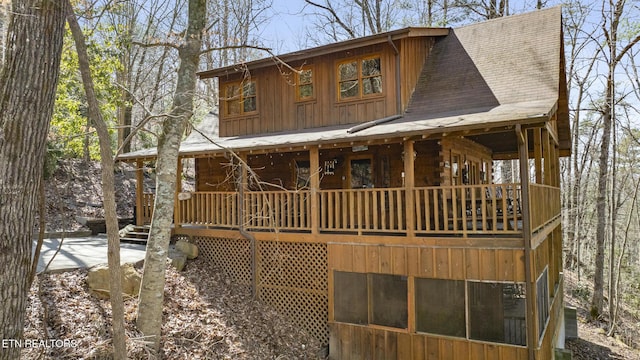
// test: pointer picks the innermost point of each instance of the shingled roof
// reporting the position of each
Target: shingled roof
(508, 60)
(488, 75)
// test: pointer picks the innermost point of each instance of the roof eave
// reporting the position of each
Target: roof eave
(465, 130)
(326, 49)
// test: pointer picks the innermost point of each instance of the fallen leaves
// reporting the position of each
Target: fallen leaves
(205, 315)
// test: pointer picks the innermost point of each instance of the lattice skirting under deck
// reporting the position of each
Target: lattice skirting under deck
(292, 277)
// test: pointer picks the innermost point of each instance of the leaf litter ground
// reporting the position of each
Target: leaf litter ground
(205, 316)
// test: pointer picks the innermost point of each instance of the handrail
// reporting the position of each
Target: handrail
(148, 200)
(490, 209)
(545, 205)
(208, 209)
(282, 210)
(363, 210)
(484, 208)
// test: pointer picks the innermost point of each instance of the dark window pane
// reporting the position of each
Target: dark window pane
(250, 104)
(306, 77)
(349, 89)
(515, 328)
(350, 297)
(497, 312)
(232, 91)
(388, 300)
(486, 316)
(303, 173)
(372, 85)
(361, 174)
(542, 301)
(249, 89)
(371, 67)
(440, 307)
(305, 91)
(233, 107)
(232, 94)
(348, 71)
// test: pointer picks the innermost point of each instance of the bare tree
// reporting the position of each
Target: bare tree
(610, 25)
(108, 190)
(28, 81)
(340, 20)
(581, 62)
(149, 319)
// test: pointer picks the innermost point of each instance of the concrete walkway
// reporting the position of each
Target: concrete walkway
(83, 252)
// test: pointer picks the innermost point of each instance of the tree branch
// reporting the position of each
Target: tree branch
(156, 44)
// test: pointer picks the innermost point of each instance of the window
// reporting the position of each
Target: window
(440, 307)
(388, 300)
(358, 78)
(497, 312)
(303, 174)
(455, 169)
(542, 301)
(350, 299)
(361, 173)
(240, 98)
(305, 85)
(363, 299)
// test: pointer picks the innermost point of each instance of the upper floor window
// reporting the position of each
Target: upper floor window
(304, 85)
(240, 97)
(359, 77)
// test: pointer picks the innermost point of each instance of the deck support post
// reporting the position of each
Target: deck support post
(548, 158)
(139, 192)
(523, 151)
(314, 165)
(176, 204)
(538, 149)
(409, 184)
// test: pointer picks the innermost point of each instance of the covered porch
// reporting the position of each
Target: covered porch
(452, 186)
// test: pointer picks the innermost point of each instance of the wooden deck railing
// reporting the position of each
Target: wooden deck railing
(282, 210)
(209, 209)
(491, 209)
(486, 208)
(371, 210)
(148, 200)
(545, 204)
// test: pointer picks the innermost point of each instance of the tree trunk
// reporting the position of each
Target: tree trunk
(149, 319)
(108, 191)
(42, 223)
(28, 85)
(601, 210)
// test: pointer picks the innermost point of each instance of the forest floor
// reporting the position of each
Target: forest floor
(592, 342)
(206, 315)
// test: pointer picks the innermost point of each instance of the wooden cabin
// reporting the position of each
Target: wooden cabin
(402, 189)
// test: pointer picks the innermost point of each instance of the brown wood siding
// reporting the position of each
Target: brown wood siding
(430, 262)
(468, 150)
(212, 174)
(279, 110)
(276, 168)
(413, 55)
(427, 163)
(359, 342)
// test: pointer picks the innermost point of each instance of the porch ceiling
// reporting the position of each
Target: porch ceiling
(471, 122)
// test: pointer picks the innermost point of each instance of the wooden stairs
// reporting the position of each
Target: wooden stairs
(139, 235)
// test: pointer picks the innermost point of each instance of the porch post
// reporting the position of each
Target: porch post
(554, 164)
(523, 151)
(537, 151)
(139, 193)
(176, 204)
(314, 166)
(548, 160)
(409, 184)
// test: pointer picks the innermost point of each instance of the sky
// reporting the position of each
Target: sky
(284, 31)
